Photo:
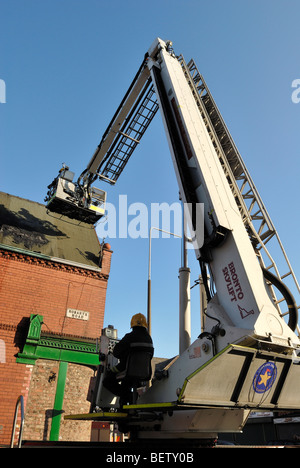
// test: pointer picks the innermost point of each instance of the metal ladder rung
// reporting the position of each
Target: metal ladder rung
(269, 267)
(287, 312)
(128, 136)
(286, 274)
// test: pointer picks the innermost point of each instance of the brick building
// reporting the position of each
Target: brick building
(53, 277)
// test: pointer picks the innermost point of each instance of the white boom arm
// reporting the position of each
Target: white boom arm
(238, 277)
(247, 355)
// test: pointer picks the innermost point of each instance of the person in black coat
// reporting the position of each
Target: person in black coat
(139, 334)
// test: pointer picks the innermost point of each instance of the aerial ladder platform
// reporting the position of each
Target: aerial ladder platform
(246, 356)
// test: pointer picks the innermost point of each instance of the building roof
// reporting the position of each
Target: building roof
(29, 226)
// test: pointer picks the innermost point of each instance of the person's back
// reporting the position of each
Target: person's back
(139, 334)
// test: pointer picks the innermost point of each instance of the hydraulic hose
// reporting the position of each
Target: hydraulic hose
(289, 298)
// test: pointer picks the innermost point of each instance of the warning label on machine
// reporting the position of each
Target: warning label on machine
(233, 283)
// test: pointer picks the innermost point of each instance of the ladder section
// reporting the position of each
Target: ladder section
(129, 135)
(247, 198)
(254, 214)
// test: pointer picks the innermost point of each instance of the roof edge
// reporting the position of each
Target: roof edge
(47, 257)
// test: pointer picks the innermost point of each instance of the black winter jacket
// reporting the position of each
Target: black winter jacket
(121, 349)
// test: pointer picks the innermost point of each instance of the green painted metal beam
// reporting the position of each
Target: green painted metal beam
(58, 402)
(38, 346)
(53, 348)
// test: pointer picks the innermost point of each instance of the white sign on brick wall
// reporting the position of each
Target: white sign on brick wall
(2, 352)
(77, 314)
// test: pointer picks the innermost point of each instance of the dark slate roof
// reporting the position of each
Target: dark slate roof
(29, 226)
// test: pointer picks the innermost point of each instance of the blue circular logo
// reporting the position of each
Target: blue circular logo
(264, 377)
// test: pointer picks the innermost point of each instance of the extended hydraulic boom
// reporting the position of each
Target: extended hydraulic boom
(247, 355)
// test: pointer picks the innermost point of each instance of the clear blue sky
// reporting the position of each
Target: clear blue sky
(67, 65)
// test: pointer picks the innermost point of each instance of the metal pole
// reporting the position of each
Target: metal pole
(149, 307)
(184, 296)
(149, 317)
(149, 286)
(203, 303)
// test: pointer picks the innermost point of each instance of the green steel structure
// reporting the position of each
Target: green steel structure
(43, 346)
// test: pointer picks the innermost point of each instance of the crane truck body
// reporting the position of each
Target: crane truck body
(246, 356)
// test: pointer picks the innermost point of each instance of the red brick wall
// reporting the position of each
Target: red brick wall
(29, 285)
(14, 381)
(41, 400)
(76, 390)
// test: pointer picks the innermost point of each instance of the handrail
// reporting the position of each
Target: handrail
(20, 401)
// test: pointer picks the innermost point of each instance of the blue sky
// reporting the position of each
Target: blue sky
(67, 65)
